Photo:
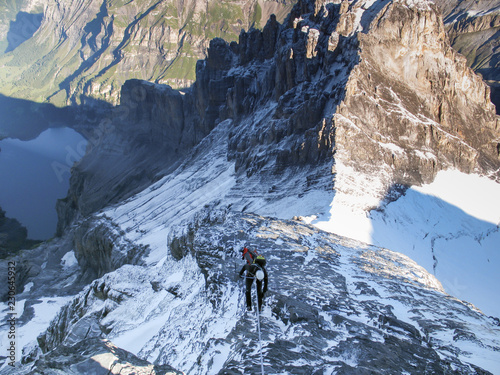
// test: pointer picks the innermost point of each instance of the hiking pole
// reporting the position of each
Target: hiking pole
(258, 329)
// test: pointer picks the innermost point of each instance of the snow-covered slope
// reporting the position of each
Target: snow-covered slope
(450, 227)
(334, 305)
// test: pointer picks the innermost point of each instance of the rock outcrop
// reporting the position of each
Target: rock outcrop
(101, 248)
(473, 31)
(98, 357)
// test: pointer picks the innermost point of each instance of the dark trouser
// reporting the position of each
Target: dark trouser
(248, 292)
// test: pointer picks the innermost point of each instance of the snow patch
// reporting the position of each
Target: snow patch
(69, 259)
(476, 195)
(26, 335)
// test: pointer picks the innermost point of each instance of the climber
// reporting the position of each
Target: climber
(255, 270)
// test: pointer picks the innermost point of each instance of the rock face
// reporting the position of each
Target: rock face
(87, 50)
(412, 105)
(472, 28)
(100, 248)
(383, 94)
(130, 146)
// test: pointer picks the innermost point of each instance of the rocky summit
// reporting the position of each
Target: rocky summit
(343, 104)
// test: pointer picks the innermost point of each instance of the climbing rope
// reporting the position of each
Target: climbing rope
(258, 329)
(256, 299)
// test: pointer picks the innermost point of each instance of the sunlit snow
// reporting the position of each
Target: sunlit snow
(450, 227)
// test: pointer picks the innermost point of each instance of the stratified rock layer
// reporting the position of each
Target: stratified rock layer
(412, 106)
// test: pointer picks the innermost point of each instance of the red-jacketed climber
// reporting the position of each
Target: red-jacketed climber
(255, 269)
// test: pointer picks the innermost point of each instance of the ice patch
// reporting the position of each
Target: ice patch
(28, 287)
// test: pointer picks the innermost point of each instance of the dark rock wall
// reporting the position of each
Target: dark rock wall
(12, 235)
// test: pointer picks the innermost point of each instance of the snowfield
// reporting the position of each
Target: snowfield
(450, 227)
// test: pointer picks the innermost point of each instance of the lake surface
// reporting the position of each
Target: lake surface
(34, 174)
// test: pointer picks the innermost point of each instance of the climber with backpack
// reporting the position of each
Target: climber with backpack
(255, 269)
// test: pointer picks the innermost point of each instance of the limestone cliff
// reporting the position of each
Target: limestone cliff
(473, 28)
(130, 146)
(412, 106)
(89, 48)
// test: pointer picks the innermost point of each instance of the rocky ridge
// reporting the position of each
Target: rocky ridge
(334, 305)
